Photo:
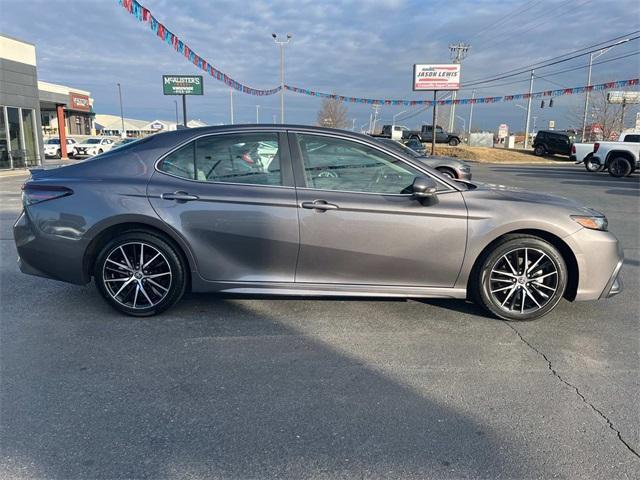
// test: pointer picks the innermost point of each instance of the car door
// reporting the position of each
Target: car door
(441, 136)
(361, 225)
(231, 196)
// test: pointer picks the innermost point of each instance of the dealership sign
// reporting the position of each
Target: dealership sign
(182, 84)
(80, 102)
(436, 77)
(623, 97)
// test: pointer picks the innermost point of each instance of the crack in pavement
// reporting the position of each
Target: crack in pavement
(582, 397)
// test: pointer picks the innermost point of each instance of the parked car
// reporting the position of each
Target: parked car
(185, 210)
(553, 142)
(52, 148)
(620, 158)
(94, 146)
(426, 135)
(396, 132)
(451, 167)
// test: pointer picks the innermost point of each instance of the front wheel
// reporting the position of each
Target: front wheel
(454, 142)
(592, 166)
(539, 151)
(140, 274)
(522, 278)
(447, 172)
(620, 167)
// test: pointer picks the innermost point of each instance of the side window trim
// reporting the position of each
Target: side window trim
(299, 173)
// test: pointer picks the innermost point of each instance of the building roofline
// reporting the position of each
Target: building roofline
(11, 37)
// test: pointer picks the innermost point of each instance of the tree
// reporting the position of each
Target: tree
(333, 113)
(604, 117)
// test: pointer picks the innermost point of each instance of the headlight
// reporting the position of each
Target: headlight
(592, 223)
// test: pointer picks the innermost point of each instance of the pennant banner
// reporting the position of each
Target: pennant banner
(144, 15)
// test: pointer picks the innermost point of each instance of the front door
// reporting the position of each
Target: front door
(360, 225)
(231, 196)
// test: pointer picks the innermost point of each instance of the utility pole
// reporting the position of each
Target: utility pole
(526, 126)
(375, 117)
(458, 52)
(176, 104)
(353, 125)
(370, 122)
(257, 113)
(122, 132)
(281, 44)
(231, 104)
(184, 110)
(473, 96)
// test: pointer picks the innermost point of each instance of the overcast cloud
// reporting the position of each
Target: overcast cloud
(364, 48)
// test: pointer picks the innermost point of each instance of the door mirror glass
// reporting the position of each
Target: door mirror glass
(424, 187)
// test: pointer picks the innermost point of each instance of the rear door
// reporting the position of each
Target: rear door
(360, 225)
(231, 196)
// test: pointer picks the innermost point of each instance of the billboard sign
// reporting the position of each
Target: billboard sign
(623, 97)
(436, 76)
(503, 130)
(182, 84)
(80, 102)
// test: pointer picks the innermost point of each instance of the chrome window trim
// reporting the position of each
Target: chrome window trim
(204, 182)
(451, 188)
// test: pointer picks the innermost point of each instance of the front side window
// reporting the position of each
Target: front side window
(336, 164)
(235, 158)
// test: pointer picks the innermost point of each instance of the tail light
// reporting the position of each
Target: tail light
(33, 193)
(573, 149)
(596, 146)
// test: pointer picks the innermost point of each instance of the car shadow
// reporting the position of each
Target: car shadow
(219, 387)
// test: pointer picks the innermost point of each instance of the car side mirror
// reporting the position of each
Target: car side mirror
(424, 187)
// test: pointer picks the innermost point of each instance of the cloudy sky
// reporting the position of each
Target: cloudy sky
(356, 48)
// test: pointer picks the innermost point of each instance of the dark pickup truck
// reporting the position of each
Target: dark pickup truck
(425, 134)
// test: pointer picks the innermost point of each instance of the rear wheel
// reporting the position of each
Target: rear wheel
(592, 166)
(539, 151)
(620, 167)
(522, 278)
(140, 274)
(454, 142)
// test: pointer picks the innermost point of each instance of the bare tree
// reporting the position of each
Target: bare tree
(333, 113)
(603, 118)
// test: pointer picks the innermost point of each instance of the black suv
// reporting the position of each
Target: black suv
(553, 142)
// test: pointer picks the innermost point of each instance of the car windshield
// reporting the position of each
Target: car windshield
(53, 141)
(91, 141)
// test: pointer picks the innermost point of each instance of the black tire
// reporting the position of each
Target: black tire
(620, 167)
(592, 167)
(454, 142)
(58, 153)
(174, 289)
(480, 289)
(539, 151)
(99, 151)
(447, 172)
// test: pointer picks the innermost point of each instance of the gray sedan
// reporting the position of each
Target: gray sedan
(451, 167)
(297, 210)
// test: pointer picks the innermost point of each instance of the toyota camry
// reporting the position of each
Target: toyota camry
(298, 210)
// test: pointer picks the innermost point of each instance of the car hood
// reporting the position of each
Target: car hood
(519, 195)
(87, 145)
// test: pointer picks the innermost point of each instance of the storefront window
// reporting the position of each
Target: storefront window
(30, 145)
(15, 149)
(4, 148)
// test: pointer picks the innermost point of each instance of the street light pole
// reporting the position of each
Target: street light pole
(464, 123)
(122, 132)
(176, 103)
(231, 104)
(592, 57)
(281, 44)
(397, 115)
(257, 113)
(473, 96)
(526, 127)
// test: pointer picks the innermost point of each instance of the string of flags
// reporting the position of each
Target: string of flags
(144, 15)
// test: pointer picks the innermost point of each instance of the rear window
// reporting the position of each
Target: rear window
(632, 138)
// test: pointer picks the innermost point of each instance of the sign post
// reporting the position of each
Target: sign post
(435, 77)
(182, 85)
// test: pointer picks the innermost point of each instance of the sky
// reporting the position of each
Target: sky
(355, 48)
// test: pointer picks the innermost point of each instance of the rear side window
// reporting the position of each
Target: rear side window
(237, 158)
(632, 138)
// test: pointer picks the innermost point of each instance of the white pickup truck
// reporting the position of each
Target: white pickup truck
(620, 158)
(585, 153)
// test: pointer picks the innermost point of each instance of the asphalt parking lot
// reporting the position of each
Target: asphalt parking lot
(223, 387)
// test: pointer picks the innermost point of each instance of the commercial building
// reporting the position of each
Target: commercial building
(113, 125)
(75, 106)
(20, 128)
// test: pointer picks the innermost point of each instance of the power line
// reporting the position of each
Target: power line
(516, 11)
(548, 62)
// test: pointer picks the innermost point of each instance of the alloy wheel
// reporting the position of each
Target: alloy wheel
(137, 275)
(523, 280)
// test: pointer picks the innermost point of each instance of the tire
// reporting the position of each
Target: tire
(592, 167)
(539, 151)
(58, 153)
(620, 167)
(454, 142)
(100, 152)
(501, 292)
(447, 172)
(140, 292)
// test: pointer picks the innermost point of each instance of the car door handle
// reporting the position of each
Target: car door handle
(179, 196)
(319, 205)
